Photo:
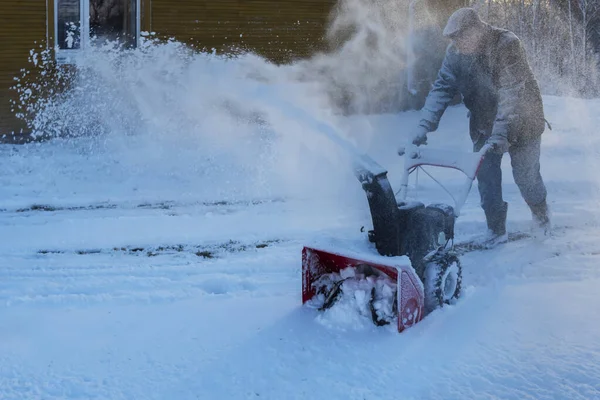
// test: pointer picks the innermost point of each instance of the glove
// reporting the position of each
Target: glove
(499, 144)
(420, 138)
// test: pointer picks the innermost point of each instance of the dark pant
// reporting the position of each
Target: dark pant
(525, 162)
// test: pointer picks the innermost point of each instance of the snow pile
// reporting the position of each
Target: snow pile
(355, 298)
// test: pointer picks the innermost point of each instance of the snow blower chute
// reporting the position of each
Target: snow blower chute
(416, 269)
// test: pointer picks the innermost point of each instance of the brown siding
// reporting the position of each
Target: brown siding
(277, 29)
(22, 24)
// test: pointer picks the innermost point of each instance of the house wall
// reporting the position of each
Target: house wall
(278, 30)
(22, 27)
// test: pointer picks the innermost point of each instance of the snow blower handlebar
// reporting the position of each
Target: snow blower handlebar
(467, 163)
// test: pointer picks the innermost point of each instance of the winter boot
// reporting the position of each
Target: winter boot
(541, 217)
(496, 224)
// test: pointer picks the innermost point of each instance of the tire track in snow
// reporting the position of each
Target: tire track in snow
(572, 254)
(63, 279)
(162, 205)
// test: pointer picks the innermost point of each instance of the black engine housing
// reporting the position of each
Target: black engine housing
(410, 229)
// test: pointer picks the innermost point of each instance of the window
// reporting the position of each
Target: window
(81, 22)
(114, 20)
(68, 24)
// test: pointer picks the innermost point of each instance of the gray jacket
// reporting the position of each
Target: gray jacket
(497, 86)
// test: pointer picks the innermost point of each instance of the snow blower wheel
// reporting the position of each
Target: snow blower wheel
(442, 281)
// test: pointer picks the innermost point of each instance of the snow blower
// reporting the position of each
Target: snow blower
(415, 269)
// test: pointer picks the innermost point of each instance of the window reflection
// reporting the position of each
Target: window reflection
(113, 20)
(68, 24)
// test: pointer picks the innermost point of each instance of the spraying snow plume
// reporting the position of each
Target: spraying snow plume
(253, 121)
(365, 71)
(240, 124)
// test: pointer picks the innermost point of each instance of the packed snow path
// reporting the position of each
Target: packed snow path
(122, 285)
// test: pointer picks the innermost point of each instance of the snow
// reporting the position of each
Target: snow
(137, 265)
(352, 306)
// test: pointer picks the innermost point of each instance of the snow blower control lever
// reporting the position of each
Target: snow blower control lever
(410, 228)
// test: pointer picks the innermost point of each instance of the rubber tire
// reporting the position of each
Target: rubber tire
(442, 281)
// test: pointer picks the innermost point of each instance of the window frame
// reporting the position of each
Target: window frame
(65, 56)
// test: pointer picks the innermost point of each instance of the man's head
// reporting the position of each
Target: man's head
(465, 29)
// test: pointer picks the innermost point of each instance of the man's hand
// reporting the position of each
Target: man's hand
(499, 144)
(420, 137)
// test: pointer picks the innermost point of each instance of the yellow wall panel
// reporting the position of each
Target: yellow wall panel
(22, 24)
(277, 29)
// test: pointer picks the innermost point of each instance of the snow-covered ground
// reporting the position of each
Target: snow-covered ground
(144, 267)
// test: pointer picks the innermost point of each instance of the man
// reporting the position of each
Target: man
(488, 67)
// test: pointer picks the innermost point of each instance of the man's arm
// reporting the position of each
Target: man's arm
(512, 77)
(441, 94)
